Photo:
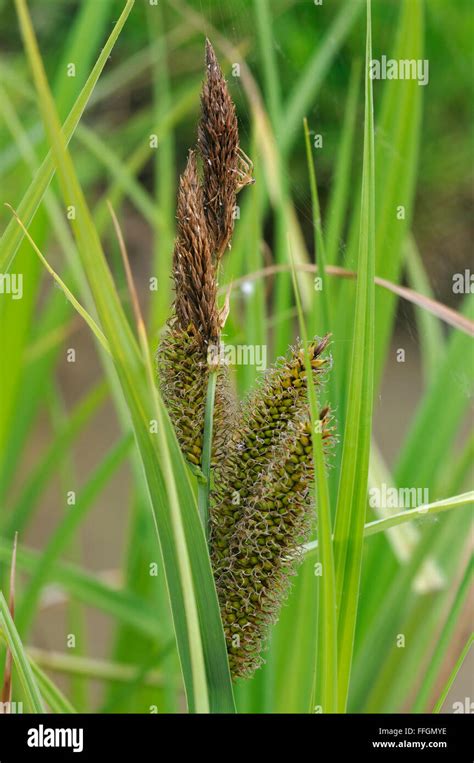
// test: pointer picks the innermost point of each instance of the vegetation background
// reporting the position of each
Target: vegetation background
(85, 570)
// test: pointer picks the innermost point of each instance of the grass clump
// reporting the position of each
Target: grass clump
(260, 506)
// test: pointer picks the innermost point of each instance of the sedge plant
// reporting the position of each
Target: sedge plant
(280, 586)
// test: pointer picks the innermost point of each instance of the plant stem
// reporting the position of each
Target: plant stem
(10, 635)
(204, 484)
(457, 667)
(324, 689)
(408, 515)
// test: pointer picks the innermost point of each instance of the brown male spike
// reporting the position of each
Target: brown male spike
(204, 228)
(218, 141)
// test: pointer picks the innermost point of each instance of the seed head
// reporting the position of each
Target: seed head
(204, 228)
(183, 376)
(262, 505)
(218, 142)
(264, 549)
(278, 403)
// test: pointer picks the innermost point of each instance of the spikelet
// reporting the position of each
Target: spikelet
(182, 354)
(262, 505)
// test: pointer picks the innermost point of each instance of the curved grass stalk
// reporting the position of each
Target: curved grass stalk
(421, 512)
(68, 293)
(438, 707)
(446, 314)
(437, 659)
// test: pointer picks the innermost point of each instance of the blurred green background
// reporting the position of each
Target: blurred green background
(151, 85)
(442, 223)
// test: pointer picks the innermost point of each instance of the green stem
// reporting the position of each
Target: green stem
(321, 307)
(204, 484)
(381, 525)
(12, 639)
(451, 679)
(324, 689)
(442, 644)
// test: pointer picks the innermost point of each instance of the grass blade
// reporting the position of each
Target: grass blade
(6, 694)
(186, 561)
(324, 695)
(426, 510)
(396, 167)
(12, 236)
(352, 494)
(322, 316)
(443, 642)
(50, 692)
(25, 672)
(442, 698)
(409, 515)
(341, 184)
(67, 292)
